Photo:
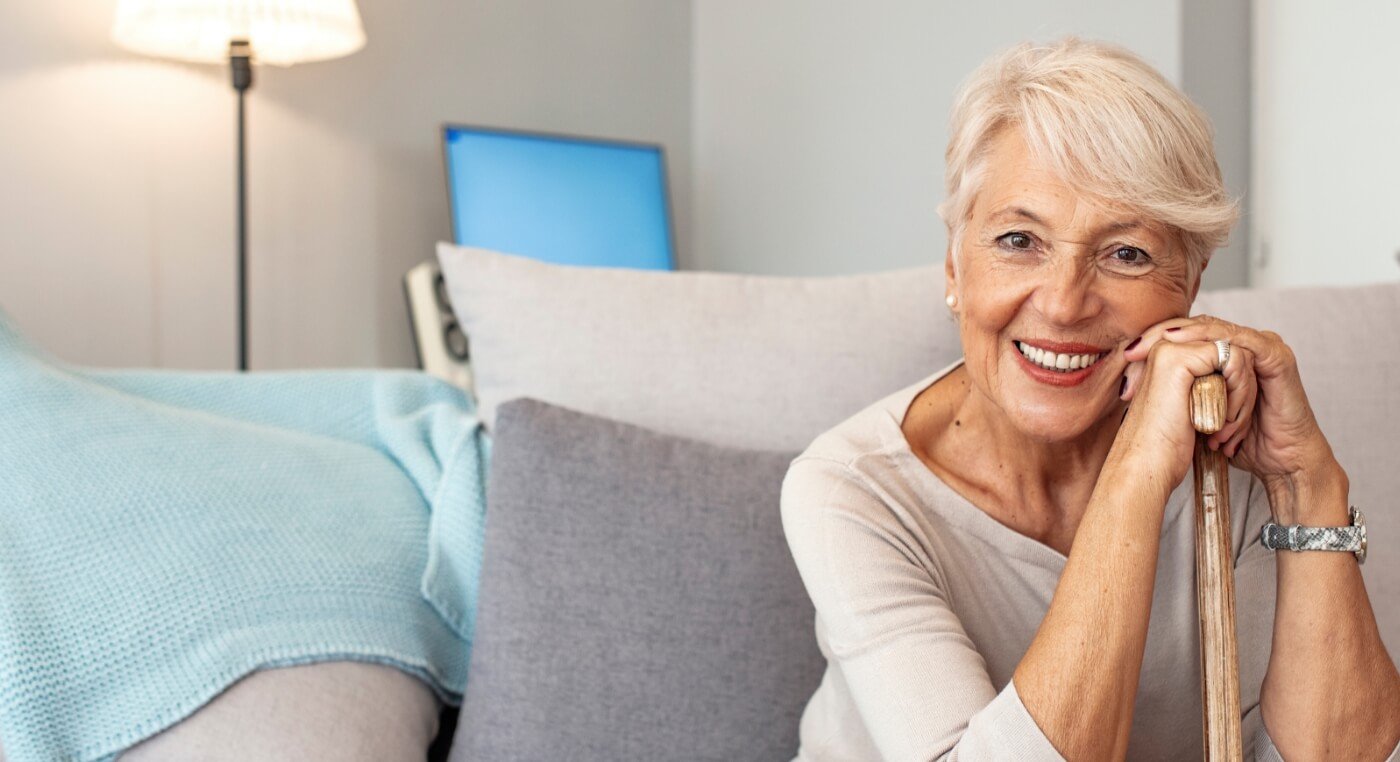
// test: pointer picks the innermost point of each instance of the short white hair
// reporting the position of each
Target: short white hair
(1108, 123)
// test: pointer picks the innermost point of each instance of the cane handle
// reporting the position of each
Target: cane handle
(1208, 403)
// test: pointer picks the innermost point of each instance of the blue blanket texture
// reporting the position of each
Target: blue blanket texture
(164, 533)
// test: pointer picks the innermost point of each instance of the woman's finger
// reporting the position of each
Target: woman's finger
(1132, 379)
(1240, 374)
(1271, 356)
(1243, 341)
(1160, 409)
(1238, 426)
(1230, 447)
(1138, 348)
(1241, 388)
(1239, 382)
(1197, 358)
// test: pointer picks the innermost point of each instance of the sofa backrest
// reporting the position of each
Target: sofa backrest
(1347, 341)
(769, 362)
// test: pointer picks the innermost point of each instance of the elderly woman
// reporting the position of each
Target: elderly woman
(1001, 555)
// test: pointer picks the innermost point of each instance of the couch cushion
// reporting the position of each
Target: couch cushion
(1348, 350)
(330, 711)
(743, 360)
(338, 710)
(638, 600)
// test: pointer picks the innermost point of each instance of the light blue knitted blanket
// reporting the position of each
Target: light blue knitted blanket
(164, 533)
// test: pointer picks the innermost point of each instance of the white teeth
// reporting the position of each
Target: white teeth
(1054, 361)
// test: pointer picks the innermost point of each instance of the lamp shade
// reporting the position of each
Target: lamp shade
(281, 32)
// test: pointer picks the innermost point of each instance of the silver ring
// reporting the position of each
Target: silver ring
(1222, 351)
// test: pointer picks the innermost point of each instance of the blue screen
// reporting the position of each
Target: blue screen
(559, 199)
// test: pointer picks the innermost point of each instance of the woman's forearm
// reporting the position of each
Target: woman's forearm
(1079, 677)
(1331, 690)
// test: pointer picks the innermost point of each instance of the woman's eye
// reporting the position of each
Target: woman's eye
(1016, 241)
(1130, 255)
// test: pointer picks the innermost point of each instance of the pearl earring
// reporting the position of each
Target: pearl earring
(952, 301)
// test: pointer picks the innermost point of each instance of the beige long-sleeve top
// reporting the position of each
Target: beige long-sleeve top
(925, 605)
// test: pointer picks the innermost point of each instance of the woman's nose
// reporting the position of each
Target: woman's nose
(1066, 295)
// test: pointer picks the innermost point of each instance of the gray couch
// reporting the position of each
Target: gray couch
(706, 372)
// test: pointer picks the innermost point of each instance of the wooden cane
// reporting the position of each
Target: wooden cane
(1215, 578)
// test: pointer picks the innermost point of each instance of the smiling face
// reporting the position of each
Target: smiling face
(1047, 276)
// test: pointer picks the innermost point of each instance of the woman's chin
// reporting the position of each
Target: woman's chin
(1055, 423)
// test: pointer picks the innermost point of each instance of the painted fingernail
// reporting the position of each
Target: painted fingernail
(1123, 387)
(1130, 346)
(1178, 328)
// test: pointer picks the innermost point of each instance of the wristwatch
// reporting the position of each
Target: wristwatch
(1352, 538)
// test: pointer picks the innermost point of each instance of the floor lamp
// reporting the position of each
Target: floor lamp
(240, 32)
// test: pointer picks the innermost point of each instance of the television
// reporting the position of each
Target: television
(559, 198)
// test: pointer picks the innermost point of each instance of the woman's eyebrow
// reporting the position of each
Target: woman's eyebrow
(1017, 212)
(1123, 225)
(1020, 212)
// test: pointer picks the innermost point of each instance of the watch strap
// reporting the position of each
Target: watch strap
(1295, 537)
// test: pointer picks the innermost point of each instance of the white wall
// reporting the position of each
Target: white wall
(116, 171)
(1215, 72)
(803, 136)
(819, 125)
(1327, 117)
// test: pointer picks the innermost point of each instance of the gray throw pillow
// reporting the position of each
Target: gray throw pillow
(638, 600)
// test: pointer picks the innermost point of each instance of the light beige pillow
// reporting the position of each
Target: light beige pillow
(756, 361)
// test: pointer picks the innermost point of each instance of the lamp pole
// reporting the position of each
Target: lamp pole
(240, 65)
(307, 30)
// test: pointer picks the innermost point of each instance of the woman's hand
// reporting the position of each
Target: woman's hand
(1270, 431)
(1156, 433)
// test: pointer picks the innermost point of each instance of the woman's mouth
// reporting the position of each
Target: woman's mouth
(1060, 361)
(1068, 367)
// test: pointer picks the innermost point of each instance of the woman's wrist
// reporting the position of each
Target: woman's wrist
(1136, 472)
(1315, 496)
